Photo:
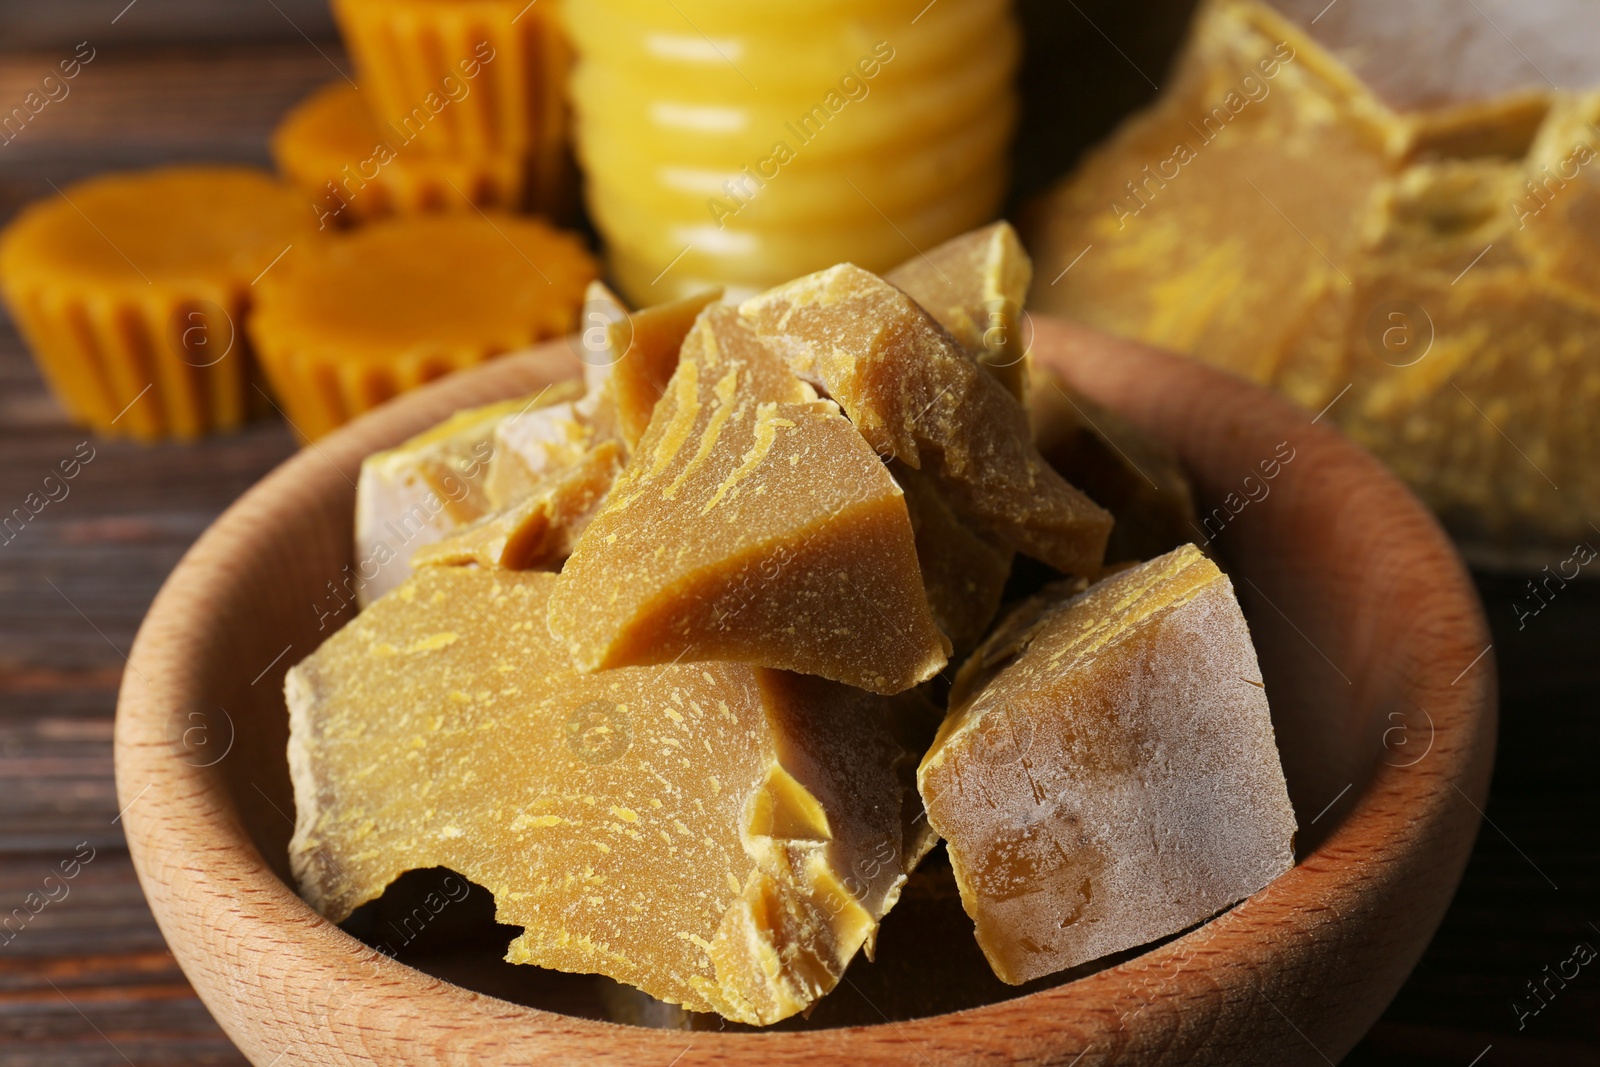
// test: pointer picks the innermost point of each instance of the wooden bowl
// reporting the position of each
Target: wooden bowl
(1372, 645)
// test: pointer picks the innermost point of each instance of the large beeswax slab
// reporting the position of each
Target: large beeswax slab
(538, 532)
(420, 491)
(975, 285)
(1370, 207)
(918, 397)
(721, 836)
(1110, 777)
(754, 524)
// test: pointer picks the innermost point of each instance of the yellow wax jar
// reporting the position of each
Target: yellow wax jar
(742, 144)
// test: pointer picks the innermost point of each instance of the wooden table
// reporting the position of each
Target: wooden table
(88, 980)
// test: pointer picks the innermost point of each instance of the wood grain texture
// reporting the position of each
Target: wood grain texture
(1360, 608)
(88, 980)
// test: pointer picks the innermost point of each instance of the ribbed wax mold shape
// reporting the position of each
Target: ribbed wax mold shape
(353, 168)
(131, 291)
(479, 79)
(379, 311)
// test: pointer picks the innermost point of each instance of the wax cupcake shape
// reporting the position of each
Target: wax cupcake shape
(131, 291)
(365, 316)
(353, 168)
(478, 79)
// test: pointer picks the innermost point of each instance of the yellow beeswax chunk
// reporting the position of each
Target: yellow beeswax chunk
(418, 492)
(541, 530)
(722, 836)
(1110, 777)
(974, 285)
(1128, 472)
(963, 571)
(916, 396)
(637, 352)
(1367, 207)
(754, 524)
(536, 440)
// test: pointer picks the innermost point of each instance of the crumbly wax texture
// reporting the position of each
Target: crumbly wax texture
(1107, 774)
(975, 285)
(539, 531)
(537, 440)
(919, 397)
(721, 836)
(424, 489)
(1406, 142)
(634, 353)
(753, 523)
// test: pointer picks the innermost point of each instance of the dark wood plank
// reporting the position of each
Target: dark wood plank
(63, 23)
(134, 106)
(88, 980)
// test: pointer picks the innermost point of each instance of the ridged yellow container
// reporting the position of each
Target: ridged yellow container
(131, 291)
(353, 169)
(388, 307)
(747, 143)
(475, 79)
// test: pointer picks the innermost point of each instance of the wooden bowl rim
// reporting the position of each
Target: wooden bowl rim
(195, 860)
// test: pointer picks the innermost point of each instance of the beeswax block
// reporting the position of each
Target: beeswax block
(418, 492)
(1110, 777)
(1128, 472)
(963, 571)
(1375, 209)
(637, 352)
(538, 532)
(753, 524)
(975, 285)
(723, 837)
(916, 396)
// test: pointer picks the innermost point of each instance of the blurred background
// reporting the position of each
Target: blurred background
(85, 977)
